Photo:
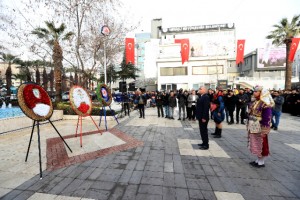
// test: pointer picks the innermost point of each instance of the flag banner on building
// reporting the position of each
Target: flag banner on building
(240, 51)
(293, 48)
(129, 50)
(185, 49)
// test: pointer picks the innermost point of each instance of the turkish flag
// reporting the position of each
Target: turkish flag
(185, 49)
(129, 50)
(293, 48)
(240, 51)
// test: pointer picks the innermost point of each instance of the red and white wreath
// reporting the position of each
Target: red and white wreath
(80, 100)
(37, 99)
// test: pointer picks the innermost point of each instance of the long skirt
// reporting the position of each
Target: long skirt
(258, 145)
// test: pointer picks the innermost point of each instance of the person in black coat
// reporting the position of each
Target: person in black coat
(141, 100)
(159, 104)
(202, 115)
(230, 102)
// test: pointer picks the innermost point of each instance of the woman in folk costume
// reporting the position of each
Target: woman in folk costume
(218, 112)
(258, 126)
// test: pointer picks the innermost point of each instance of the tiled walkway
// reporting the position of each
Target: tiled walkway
(151, 158)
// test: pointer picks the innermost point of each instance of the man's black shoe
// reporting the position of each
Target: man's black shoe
(237, 122)
(200, 145)
(217, 136)
(275, 128)
(183, 119)
(272, 126)
(259, 166)
(140, 117)
(179, 118)
(253, 163)
(214, 134)
(203, 148)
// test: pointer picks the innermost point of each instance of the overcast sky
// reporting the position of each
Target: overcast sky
(253, 18)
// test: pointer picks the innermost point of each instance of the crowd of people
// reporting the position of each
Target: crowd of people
(258, 108)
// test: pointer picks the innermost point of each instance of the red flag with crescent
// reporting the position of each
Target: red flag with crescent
(185, 49)
(240, 51)
(293, 48)
(129, 50)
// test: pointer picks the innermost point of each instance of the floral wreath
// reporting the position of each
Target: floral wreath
(35, 102)
(80, 101)
(104, 94)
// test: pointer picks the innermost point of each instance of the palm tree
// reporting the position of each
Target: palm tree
(283, 33)
(53, 36)
(10, 59)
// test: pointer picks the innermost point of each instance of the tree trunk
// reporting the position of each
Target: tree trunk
(76, 78)
(45, 80)
(37, 76)
(8, 79)
(288, 69)
(51, 75)
(57, 61)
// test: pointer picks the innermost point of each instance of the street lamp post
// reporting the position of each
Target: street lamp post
(105, 31)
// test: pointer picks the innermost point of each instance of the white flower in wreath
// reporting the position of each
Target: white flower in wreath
(40, 109)
(80, 96)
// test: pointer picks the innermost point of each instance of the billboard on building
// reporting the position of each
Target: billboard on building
(271, 57)
(205, 40)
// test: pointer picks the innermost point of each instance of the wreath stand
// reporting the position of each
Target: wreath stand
(39, 142)
(104, 113)
(80, 120)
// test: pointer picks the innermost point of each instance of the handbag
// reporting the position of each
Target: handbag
(254, 126)
(213, 106)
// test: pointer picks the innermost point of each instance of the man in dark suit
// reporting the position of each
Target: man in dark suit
(202, 114)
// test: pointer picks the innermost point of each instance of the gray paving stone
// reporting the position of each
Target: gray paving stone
(86, 173)
(97, 194)
(82, 189)
(140, 165)
(136, 177)
(195, 194)
(95, 174)
(152, 181)
(125, 177)
(180, 180)
(150, 189)
(57, 189)
(182, 193)
(169, 193)
(101, 185)
(130, 192)
(117, 193)
(169, 180)
(72, 187)
(148, 197)
(11, 195)
(215, 183)
(201, 184)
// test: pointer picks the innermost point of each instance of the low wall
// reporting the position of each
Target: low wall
(16, 123)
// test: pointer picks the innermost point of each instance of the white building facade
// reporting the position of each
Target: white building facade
(210, 48)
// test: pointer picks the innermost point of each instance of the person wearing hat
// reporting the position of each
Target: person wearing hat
(258, 125)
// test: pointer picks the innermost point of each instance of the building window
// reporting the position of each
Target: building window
(173, 71)
(199, 70)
